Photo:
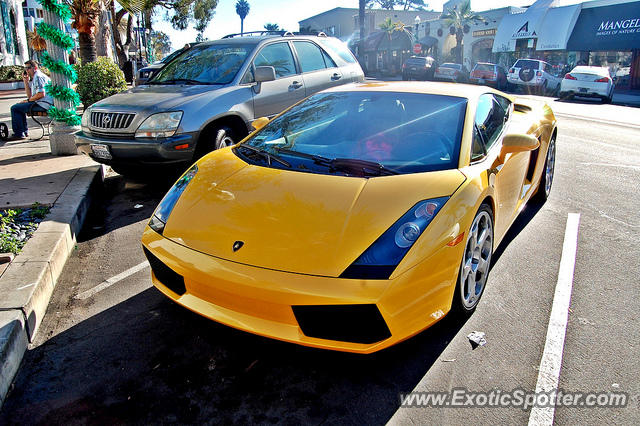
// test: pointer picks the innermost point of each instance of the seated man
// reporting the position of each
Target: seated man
(34, 82)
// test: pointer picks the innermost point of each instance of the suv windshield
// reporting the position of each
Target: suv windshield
(362, 134)
(205, 64)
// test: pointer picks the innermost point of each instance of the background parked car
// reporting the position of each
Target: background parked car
(452, 72)
(144, 74)
(208, 96)
(534, 75)
(419, 67)
(588, 81)
(489, 74)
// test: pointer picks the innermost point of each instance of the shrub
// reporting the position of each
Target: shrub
(98, 80)
(11, 73)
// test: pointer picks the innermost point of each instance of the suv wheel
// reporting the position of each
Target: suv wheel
(224, 137)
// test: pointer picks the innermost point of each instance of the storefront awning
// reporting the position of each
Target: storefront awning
(557, 26)
(607, 28)
(524, 25)
(428, 41)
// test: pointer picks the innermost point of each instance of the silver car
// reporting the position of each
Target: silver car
(534, 74)
(588, 81)
(207, 98)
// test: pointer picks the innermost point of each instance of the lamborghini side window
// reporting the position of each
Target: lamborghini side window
(477, 146)
(489, 119)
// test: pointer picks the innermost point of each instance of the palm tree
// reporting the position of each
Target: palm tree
(242, 9)
(459, 19)
(85, 18)
(36, 42)
(272, 27)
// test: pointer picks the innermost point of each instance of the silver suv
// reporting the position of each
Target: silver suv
(207, 97)
(534, 74)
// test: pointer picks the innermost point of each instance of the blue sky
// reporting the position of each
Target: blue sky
(287, 13)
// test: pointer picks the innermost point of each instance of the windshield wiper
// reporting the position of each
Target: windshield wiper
(318, 159)
(180, 80)
(366, 168)
(269, 157)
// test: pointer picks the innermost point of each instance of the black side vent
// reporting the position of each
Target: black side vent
(346, 323)
(170, 279)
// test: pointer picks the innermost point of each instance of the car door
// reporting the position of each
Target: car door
(490, 123)
(319, 71)
(288, 87)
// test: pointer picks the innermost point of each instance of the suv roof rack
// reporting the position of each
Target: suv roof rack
(281, 33)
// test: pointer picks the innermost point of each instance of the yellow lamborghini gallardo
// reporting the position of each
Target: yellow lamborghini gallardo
(356, 218)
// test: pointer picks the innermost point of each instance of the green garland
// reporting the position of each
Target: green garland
(62, 10)
(63, 93)
(64, 41)
(68, 115)
(59, 67)
(56, 36)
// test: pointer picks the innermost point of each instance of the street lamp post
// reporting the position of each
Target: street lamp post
(417, 21)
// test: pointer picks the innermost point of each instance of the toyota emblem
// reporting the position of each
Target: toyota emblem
(106, 120)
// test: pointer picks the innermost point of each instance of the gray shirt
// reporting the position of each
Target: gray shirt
(37, 84)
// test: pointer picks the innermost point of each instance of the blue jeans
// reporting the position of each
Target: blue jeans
(19, 116)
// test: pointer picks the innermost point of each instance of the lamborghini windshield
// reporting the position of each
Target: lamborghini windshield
(362, 134)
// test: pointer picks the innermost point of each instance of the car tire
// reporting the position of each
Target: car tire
(475, 264)
(213, 139)
(608, 99)
(546, 178)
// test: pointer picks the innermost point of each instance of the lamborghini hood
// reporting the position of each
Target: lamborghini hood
(291, 221)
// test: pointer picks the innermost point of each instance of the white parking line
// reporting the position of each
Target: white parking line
(549, 373)
(111, 281)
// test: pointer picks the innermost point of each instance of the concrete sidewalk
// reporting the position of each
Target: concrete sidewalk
(29, 173)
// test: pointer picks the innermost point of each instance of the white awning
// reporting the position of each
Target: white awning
(557, 27)
(524, 25)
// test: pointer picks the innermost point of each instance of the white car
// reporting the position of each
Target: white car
(534, 74)
(588, 81)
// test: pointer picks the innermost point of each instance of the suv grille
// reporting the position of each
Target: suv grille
(111, 120)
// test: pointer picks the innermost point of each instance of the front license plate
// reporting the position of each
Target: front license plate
(414, 69)
(101, 151)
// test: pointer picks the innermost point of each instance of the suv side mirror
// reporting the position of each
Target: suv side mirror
(265, 73)
(518, 142)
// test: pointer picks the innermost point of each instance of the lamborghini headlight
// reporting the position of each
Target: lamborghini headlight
(161, 125)
(382, 257)
(161, 215)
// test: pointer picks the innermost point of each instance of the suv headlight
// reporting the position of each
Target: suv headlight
(161, 125)
(85, 119)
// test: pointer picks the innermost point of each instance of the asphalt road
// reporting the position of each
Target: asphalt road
(126, 354)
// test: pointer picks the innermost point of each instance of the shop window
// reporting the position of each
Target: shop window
(40, 13)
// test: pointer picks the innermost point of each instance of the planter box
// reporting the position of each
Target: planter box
(12, 85)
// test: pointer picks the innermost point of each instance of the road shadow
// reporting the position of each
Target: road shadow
(119, 202)
(26, 158)
(149, 361)
(523, 219)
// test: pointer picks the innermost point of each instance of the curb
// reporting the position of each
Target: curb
(28, 282)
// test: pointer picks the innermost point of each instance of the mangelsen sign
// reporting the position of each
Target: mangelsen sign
(607, 28)
(627, 26)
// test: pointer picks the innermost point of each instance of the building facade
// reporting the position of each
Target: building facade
(13, 37)
(600, 33)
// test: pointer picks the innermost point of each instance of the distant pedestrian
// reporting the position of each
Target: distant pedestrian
(72, 58)
(34, 83)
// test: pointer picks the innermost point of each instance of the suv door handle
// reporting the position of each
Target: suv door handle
(296, 85)
(336, 76)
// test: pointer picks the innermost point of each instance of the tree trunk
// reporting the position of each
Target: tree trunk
(87, 42)
(241, 26)
(104, 46)
(361, 4)
(459, 36)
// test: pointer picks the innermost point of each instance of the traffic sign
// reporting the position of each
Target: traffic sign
(417, 48)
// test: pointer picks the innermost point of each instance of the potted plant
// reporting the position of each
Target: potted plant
(11, 77)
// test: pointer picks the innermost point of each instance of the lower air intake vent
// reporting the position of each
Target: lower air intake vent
(346, 323)
(164, 274)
